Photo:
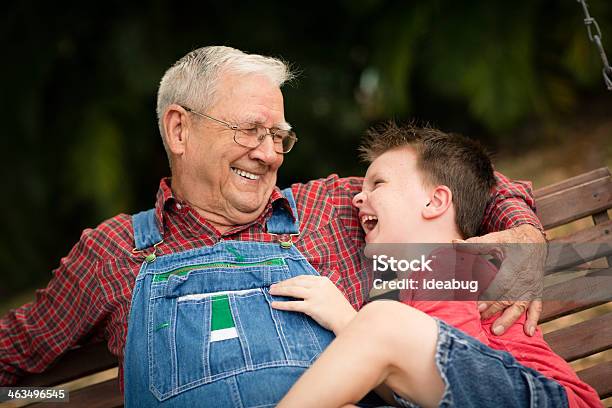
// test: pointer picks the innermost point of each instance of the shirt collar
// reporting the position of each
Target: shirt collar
(166, 198)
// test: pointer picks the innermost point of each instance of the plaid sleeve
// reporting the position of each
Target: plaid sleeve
(342, 190)
(34, 335)
(511, 204)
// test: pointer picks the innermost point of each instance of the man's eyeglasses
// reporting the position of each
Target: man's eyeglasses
(252, 135)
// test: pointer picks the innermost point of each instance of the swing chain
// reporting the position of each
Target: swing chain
(590, 22)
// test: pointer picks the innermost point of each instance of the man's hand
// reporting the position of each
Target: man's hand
(518, 283)
(322, 300)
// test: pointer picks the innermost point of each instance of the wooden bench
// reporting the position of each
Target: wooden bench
(587, 195)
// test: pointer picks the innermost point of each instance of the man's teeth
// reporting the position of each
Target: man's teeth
(246, 174)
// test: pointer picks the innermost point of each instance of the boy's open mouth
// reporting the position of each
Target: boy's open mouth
(368, 222)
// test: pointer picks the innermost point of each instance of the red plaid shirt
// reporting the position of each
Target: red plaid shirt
(89, 296)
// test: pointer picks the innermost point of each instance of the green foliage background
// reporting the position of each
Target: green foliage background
(78, 85)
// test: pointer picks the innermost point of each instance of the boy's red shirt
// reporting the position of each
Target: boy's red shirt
(532, 352)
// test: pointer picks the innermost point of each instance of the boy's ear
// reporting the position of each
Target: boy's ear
(440, 200)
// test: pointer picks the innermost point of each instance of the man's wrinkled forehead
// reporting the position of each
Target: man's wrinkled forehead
(260, 120)
(232, 90)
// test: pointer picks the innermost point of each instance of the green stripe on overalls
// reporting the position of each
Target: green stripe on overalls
(222, 324)
(186, 269)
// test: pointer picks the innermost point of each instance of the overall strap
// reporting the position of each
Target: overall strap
(146, 231)
(281, 221)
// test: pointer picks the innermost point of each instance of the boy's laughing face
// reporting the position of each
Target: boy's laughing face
(392, 198)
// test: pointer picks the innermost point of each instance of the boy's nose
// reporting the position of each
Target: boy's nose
(359, 199)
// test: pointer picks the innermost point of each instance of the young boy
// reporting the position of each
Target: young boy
(424, 186)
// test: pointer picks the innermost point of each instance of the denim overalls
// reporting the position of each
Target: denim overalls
(201, 329)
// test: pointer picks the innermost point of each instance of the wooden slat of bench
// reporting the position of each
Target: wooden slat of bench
(77, 363)
(600, 219)
(571, 182)
(575, 203)
(102, 395)
(599, 377)
(582, 339)
(598, 240)
(577, 294)
(601, 232)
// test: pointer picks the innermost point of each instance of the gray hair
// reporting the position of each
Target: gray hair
(193, 80)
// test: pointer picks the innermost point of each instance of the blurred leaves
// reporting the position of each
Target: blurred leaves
(491, 63)
(96, 161)
(394, 57)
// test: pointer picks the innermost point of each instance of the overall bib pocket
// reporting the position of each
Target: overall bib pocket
(212, 321)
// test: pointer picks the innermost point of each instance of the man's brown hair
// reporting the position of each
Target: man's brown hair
(447, 159)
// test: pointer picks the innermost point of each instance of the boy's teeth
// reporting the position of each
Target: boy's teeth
(369, 218)
(246, 174)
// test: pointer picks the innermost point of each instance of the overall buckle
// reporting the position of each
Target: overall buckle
(285, 240)
(150, 257)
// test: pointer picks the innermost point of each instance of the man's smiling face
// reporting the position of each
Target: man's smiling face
(234, 181)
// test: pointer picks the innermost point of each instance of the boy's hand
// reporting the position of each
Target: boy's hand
(322, 300)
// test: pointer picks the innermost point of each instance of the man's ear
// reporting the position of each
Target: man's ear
(440, 200)
(176, 128)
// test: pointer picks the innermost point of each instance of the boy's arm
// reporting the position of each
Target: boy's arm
(34, 335)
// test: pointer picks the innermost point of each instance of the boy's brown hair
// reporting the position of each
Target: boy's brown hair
(447, 159)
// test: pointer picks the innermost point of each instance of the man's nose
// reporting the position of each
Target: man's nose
(265, 151)
(359, 199)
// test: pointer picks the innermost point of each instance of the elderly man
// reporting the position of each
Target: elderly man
(191, 275)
